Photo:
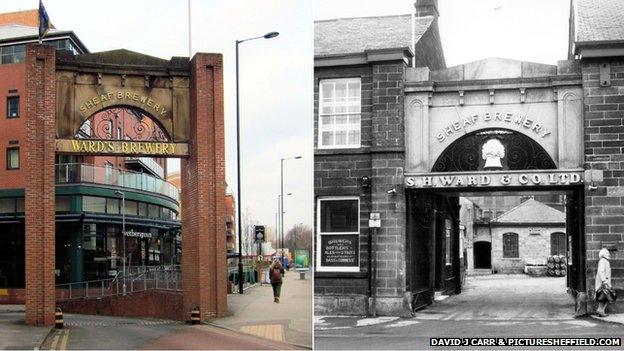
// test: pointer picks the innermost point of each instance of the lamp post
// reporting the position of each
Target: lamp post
(282, 200)
(238, 163)
(123, 235)
(280, 240)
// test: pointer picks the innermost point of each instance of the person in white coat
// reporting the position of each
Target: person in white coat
(603, 277)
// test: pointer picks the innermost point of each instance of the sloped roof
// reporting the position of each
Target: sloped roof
(599, 20)
(357, 35)
(531, 211)
(18, 31)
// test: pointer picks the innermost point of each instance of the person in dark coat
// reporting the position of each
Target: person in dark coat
(276, 272)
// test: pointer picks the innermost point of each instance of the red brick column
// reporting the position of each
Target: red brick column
(204, 276)
(38, 158)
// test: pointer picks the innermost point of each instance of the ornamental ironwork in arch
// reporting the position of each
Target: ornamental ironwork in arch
(505, 149)
(122, 123)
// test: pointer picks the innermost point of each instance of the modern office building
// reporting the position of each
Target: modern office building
(95, 195)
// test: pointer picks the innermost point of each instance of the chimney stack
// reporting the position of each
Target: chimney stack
(426, 8)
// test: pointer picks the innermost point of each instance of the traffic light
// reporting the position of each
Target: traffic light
(259, 233)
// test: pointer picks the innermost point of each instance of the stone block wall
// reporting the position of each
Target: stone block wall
(604, 152)
(339, 172)
(532, 248)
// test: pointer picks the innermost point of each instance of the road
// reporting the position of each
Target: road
(490, 306)
(118, 333)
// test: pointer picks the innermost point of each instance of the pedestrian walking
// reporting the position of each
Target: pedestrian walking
(276, 271)
(604, 290)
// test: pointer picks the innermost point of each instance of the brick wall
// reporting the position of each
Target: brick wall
(338, 172)
(149, 304)
(39, 153)
(204, 278)
(604, 150)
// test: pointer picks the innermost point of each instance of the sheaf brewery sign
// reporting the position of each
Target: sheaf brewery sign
(339, 250)
(494, 179)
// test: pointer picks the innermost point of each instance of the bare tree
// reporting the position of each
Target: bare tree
(249, 246)
(299, 237)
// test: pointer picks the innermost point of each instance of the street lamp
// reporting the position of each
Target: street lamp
(123, 234)
(282, 200)
(238, 163)
(278, 214)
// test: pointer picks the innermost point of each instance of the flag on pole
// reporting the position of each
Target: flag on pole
(44, 21)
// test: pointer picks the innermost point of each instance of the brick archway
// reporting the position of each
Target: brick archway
(192, 114)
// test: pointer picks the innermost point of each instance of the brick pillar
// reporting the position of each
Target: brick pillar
(38, 158)
(388, 162)
(204, 268)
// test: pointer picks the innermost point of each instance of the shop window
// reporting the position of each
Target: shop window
(94, 204)
(63, 203)
(13, 103)
(19, 205)
(558, 244)
(131, 207)
(510, 245)
(13, 158)
(7, 205)
(339, 113)
(112, 206)
(338, 234)
(142, 209)
(153, 211)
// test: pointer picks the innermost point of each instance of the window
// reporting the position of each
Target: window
(94, 204)
(510, 245)
(7, 205)
(13, 106)
(112, 206)
(12, 54)
(339, 113)
(338, 234)
(558, 244)
(131, 207)
(13, 160)
(63, 203)
(142, 209)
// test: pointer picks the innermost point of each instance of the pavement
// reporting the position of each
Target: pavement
(15, 334)
(290, 321)
(254, 323)
(489, 306)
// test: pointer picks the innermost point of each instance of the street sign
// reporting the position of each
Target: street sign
(259, 233)
(374, 220)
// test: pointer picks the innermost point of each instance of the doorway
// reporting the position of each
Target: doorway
(482, 255)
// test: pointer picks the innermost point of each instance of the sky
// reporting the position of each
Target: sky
(527, 30)
(276, 75)
(275, 79)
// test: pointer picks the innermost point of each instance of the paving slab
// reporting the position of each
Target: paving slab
(290, 321)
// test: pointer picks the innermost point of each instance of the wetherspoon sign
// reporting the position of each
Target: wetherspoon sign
(491, 179)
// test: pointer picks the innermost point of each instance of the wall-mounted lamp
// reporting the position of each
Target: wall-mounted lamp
(366, 182)
(392, 191)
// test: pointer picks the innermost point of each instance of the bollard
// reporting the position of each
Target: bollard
(58, 318)
(195, 319)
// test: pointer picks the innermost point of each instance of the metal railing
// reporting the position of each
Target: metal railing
(68, 173)
(151, 278)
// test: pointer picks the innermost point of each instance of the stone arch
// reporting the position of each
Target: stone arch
(519, 152)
